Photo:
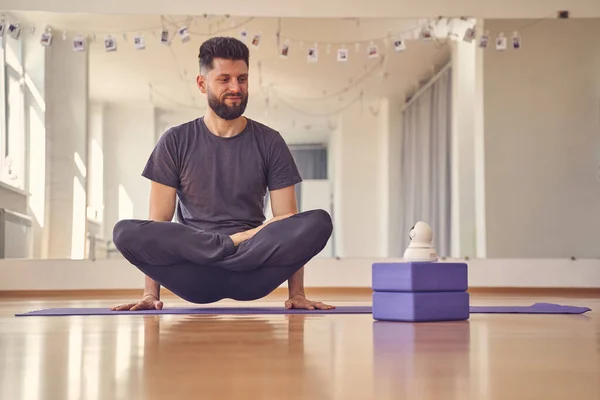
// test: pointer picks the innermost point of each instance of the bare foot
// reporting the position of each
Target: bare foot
(247, 235)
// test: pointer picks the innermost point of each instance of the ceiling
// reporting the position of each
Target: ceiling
(321, 9)
(297, 97)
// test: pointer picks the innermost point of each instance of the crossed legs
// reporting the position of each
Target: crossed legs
(204, 267)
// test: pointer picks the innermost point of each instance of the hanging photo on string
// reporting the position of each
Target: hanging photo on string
(399, 45)
(110, 43)
(342, 55)
(244, 35)
(14, 30)
(427, 33)
(484, 41)
(501, 42)
(256, 41)
(164, 36)
(46, 38)
(285, 50)
(469, 35)
(312, 55)
(516, 41)
(139, 43)
(184, 34)
(78, 44)
(372, 51)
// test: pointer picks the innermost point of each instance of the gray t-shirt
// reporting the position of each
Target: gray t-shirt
(221, 182)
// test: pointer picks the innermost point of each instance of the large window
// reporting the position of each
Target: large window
(12, 129)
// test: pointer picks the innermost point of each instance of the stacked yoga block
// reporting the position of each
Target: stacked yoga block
(420, 291)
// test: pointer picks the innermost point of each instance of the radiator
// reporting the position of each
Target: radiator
(16, 235)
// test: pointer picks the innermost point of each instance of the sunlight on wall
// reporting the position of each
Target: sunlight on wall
(80, 164)
(96, 195)
(13, 55)
(79, 220)
(37, 168)
(125, 204)
(39, 99)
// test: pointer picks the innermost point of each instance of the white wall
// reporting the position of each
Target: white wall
(542, 141)
(319, 272)
(316, 194)
(66, 171)
(165, 119)
(365, 170)
(356, 183)
(128, 139)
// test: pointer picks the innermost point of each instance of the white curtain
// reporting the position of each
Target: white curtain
(425, 175)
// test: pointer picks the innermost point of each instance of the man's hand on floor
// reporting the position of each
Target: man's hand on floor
(148, 302)
(299, 301)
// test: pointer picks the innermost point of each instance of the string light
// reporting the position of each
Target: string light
(425, 30)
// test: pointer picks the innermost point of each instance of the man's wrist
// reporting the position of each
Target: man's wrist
(155, 297)
(239, 238)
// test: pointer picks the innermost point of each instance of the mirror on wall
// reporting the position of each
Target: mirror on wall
(485, 129)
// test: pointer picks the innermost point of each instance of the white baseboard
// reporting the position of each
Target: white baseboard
(320, 272)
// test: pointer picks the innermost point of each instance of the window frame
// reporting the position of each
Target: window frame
(7, 71)
(3, 103)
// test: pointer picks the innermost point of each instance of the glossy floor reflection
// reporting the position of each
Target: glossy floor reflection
(299, 356)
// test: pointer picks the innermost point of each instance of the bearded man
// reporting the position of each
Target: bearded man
(214, 173)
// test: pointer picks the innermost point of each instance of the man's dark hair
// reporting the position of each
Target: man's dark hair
(222, 47)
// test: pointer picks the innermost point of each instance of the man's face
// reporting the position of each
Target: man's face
(226, 87)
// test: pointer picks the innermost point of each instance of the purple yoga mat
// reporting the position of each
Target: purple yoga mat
(197, 310)
(537, 308)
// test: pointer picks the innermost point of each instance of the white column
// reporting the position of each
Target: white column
(66, 123)
(96, 162)
(463, 149)
(479, 143)
(390, 134)
(34, 59)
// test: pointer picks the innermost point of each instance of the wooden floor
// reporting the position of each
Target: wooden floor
(299, 357)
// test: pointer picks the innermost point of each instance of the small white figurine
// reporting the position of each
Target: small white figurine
(421, 247)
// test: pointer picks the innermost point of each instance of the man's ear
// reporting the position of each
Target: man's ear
(201, 82)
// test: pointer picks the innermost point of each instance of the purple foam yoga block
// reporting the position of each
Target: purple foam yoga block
(421, 306)
(420, 277)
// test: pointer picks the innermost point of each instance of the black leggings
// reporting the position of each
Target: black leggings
(205, 267)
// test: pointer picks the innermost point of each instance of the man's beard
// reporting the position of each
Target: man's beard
(225, 111)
